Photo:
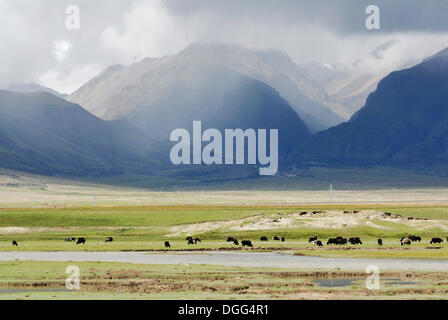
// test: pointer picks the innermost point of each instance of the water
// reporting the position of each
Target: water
(267, 260)
(346, 282)
(32, 290)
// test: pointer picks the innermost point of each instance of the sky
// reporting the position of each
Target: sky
(37, 46)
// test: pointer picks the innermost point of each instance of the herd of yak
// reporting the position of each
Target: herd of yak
(356, 240)
(247, 243)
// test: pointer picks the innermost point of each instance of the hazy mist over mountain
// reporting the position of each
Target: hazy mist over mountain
(118, 91)
(101, 98)
(404, 123)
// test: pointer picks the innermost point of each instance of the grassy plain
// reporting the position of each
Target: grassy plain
(146, 229)
(46, 280)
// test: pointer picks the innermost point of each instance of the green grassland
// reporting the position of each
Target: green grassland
(146, 229)
(46, 280)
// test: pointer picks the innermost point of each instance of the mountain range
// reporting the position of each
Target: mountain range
(45, 134)
(118, 91)
(119, 122)
(403, 123)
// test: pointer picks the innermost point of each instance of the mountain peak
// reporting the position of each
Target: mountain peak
(443, 53)
(32, 87)
(236, 49)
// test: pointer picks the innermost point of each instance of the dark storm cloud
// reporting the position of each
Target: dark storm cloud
(36, 45)
(343, 16)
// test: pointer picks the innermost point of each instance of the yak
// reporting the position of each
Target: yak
(109, 239)
(81, 240)
(414, 238)
(435, 240)
(405, 241)
(167, 244)
(355, 240)
(246, 243)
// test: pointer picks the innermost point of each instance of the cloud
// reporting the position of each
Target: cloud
(36, 45)
(149, 30)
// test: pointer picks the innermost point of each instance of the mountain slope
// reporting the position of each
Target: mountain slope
(118, 90)
(222, 99)
(404, 123)
(45, 134)
(33, 87)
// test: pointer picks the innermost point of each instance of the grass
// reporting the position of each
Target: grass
(40, 280)
(150, 216)
(146, 229)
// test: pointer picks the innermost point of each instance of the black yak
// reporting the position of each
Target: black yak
(246, 243)
(435, 240)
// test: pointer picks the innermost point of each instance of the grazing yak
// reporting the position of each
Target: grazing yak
(69, 239)
(190, 241)
(14, 243)
(338, 241)
(380, 242)
(414, 238)
(247, 243)
(405, 241)
(167, 244)
(109, 239)
(235, 242)
(355, 240)
(312, 239)
(81, 240)
(230, 239)
(197, 240)
(318, 243)
(435, 240)
(264, 238)
(276, 238)
(283, 239)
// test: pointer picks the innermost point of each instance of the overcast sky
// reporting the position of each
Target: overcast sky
(36, 46)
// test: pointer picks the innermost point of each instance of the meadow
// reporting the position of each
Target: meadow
(147, 228)
(46, 280)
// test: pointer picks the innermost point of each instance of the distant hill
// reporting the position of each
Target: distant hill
(404, 123)
(44, 134)
(119, 90)
(33, 87)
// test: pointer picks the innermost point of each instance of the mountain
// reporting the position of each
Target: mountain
(45, 134)
(349, 85)
(347, 89)
(33, 87)
(404, 123)
(119, 90)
